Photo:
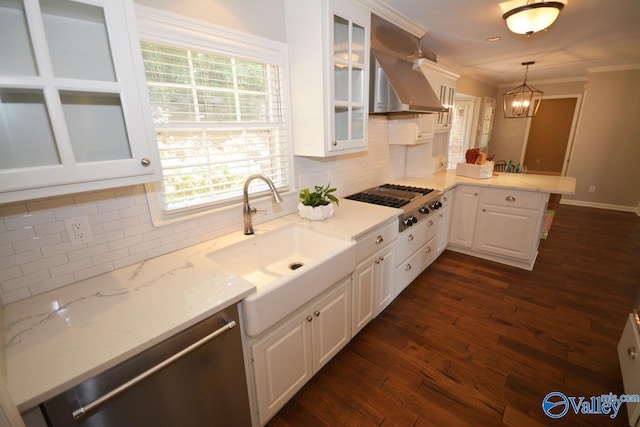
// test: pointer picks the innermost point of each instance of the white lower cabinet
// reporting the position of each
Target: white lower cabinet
(373, 279)
(287, 357)
(373, 287)
(444, 218)
(463, 218)
(416, 250)
(628, 348)
(502, 225)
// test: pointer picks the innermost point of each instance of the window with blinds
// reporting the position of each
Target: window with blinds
(218, 119)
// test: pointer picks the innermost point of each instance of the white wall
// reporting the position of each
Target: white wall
(607, 140)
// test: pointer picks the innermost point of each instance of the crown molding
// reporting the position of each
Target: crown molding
(395, 17)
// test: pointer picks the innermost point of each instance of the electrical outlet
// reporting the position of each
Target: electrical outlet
(592, 189)
(79, 230)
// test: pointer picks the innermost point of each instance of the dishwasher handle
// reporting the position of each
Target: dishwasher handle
(83, 410)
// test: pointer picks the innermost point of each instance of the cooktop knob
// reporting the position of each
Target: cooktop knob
(423, 210)
(410, 221)
(436, 205)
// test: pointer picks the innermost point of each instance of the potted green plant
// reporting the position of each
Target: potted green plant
(318, 204)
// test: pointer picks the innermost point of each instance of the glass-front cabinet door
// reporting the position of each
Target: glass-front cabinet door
(71, 108)
(350, 49)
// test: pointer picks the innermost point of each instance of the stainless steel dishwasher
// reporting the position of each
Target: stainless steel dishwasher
(193, 379)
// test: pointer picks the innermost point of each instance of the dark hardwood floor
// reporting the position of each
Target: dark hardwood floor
(475, 343)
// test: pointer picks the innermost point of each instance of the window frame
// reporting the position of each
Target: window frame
(157, 26)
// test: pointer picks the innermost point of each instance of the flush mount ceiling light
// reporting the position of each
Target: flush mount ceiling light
(531, 17)
(522, 101)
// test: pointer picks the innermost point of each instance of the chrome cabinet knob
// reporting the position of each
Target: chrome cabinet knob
(379, 240)
(145, 162)
(407, 267)
(510, 199)
(316, 313)
(632, 352)
(309, 318)
(410, 237)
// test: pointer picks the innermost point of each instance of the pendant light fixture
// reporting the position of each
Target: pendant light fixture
(522, 101)
(533, 16)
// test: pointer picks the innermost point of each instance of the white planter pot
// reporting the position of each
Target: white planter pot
(318, 213)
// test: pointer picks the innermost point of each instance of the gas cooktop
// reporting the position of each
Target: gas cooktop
(416, 202)
(395, 196)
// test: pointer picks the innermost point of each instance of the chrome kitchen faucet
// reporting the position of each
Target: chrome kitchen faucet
(247, 210)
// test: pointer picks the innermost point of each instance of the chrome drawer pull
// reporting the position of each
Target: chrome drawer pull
(632, 352)
(83, 410)
(428, 250)
(510, 199)
(410, 237)
(407, 267)
(379, 240)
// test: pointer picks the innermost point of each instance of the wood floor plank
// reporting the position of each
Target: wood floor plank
(472, 342)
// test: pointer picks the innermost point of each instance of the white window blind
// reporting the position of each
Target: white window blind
(218, 120)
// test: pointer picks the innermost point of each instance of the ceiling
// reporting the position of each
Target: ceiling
(587, 34)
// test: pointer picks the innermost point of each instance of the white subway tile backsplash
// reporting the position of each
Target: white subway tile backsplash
(17, 235)
(18, 294)
(121, 224)
(19, 259)
(116, 204)
(110, 256)
(71, 267)
(25, 280)
(126, 242)
(44, 264)
(6, 249)
(106, 237)
(29, 220)
(47, 285)
(62, 248)
(87, 252)
(76, 210)
(50, 228)
(10, 273)
(36, 256)
(37, 242)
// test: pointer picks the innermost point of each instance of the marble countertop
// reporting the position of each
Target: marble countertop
(444, 181)
(56, 340)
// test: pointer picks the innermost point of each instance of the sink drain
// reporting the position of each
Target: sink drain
(295, 265)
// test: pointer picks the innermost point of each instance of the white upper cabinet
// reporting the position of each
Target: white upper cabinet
(74, 112)
(329, 50)
(443, 83)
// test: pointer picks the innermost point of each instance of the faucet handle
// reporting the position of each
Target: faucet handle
(261, 211)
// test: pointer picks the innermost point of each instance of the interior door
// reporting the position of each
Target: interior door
(549, 136)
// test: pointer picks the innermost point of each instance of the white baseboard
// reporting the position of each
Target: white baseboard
(622, 208)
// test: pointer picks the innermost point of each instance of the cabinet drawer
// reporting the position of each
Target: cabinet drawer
(629, 357)
(408, 270)
(376, 240)
(513, 198)
(411, 239)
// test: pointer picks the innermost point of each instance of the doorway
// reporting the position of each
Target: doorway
(549, 135)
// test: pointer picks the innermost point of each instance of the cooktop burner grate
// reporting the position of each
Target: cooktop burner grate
(407, 188)
(378, 199)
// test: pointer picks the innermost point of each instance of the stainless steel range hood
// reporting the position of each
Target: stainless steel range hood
(397, 85)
